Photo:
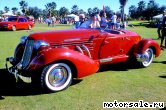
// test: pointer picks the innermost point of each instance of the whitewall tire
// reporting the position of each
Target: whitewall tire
(147, 58)
(56, 77)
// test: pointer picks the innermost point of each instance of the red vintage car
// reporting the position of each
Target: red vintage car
(15, 23)
(55, 58)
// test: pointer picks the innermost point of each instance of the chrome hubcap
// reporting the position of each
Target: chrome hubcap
(147, 56)
(58, 76)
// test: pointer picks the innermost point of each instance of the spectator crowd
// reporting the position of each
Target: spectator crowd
(101, 21)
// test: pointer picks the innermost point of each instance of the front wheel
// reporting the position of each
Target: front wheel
(29, 27)
(146, 58)
(56, 77)
(13, 28)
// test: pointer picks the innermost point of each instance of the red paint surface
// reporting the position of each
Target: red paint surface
(118, 45)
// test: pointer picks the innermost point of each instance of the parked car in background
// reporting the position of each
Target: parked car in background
(15, 23)
(55, 58)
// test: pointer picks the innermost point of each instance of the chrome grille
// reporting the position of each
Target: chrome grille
(27, 53)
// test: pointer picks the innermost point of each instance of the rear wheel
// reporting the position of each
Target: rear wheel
(13, 28)
(56, 77)
(147, 58)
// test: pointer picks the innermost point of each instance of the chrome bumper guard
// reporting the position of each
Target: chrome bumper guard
(15, 70)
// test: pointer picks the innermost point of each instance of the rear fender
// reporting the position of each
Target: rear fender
(84, 65)
(141, 47)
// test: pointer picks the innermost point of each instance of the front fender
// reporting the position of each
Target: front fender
(147, 43)
(84, 65)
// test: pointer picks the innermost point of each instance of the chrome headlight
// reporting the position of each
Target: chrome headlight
(23, 39)
(40, 43)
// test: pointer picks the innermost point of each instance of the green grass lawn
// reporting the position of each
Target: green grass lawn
(112, 82)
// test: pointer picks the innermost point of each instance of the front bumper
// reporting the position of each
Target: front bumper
(16, 69)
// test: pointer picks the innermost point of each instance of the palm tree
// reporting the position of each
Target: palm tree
(14, 10)
(122, 3)
(50, 7)
(24, 6)
(6, 9)
(63, 11)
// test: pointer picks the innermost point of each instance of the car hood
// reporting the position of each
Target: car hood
(74, 35)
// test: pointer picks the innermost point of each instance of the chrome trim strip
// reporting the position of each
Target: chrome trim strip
(87, 50)
(70, 40)
(79, 49)
(105, 60)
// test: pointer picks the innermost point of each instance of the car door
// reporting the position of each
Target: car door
(26, 23)
(111, 46)
(22, 23)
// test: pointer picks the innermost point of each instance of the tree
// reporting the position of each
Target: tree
(50, 7)
(18, 13)
(6, 9)
(133, 12)
(122, 3)
(63, 11)
(44, 13)
(75, 9)
(1, 12)
(90, 11)
(141, 8)
(24, 6)
(152, 9)
(95, 10)
(35, 12)
(108, 11)
(162, 9)
(14, 10)
(81, 11)
(145, 12)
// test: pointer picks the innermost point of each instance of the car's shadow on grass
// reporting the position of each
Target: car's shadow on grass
(9, 87)
(163, 62)
(162, 76)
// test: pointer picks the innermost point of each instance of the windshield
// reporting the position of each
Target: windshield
(12, 19)
(86, 24)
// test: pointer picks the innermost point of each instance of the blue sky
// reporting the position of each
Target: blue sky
(82, 4)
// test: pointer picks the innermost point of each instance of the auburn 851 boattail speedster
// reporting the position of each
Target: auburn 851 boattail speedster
(60, 56)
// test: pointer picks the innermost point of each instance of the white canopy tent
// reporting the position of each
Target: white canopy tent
(76, 18)
(8, 14)
(158, 16)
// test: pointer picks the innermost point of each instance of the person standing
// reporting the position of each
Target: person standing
(53, 19)
(104, 21)
(159, 26)
(113, 21)
(163, 30)
(48, 21)
(118, 23)
(95, 23)
(98, 19)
